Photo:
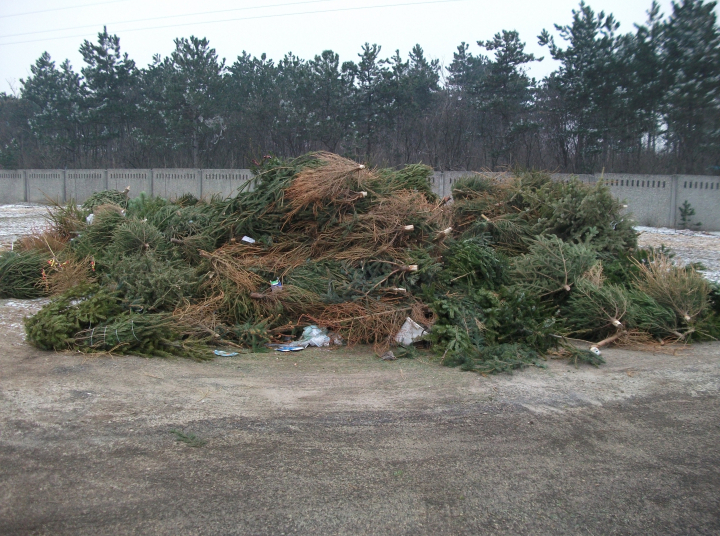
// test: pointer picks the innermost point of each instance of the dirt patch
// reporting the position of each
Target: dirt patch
(340, 442)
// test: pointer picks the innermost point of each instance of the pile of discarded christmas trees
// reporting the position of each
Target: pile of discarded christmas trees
(508, 270)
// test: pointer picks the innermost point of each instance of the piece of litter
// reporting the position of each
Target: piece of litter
(313, 336)
(388, 356)
(223, 353)
(409, 332)
(248, 239)
(595, 350)
(289, 348)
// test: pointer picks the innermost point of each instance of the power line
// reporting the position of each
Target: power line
(278, 15)
(60, 9)
(167, 17)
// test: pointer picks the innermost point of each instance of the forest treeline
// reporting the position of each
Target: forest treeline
(646, 101)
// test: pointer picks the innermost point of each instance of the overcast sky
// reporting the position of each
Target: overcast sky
(148, 27)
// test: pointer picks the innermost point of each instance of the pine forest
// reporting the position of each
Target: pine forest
(646, 101)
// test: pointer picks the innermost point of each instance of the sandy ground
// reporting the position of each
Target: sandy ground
(339, 442)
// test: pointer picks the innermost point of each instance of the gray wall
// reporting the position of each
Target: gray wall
(652, 199)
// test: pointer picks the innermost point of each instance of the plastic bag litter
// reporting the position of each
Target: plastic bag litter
(410, 332)
(223, 353)
(314, 336)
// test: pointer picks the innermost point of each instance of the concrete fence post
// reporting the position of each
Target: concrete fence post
(674, 184)
(152, 182)
(25, 186)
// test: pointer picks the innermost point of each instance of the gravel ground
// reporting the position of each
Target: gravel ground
(340, 442)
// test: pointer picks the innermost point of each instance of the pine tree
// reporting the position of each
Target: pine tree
(186, 97)
(111, 95)
(369, 75)
(57, 98)
(586, 81)
(506, 97)
(691, 54)
(329, 100)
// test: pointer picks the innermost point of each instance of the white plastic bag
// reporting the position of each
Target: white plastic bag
(410, 332)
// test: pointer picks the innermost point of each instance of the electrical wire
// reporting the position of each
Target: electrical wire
(60, 9)
(256, 17)
(214, 12)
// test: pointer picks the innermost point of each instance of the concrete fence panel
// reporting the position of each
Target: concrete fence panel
(224, 182)
(174, 183)
(652, 199)
(703, 195)
(45, 184)
(12, 187)
(649, 198)
(82, 183)
(139, 180)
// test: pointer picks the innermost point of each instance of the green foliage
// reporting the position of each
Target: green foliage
(144, 206)
(579, 355)
(471, 325)
(579, 213)
(55, 325)
(136, 237)
(686, 215)
(468, 187)
(171, 271)
(594, 311)
(148, 335)
(405, 352)
(532, 205)
(105, 197)
(645, 98)
(472, 262)
(680, 289)
(95, 238)
(647, 315)
(66, 221)
(551, 267)
(496, 359)
(21, 274)
(714, 297)
(190, 439)
(253, 335)
(151, 283)
(414, 177)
